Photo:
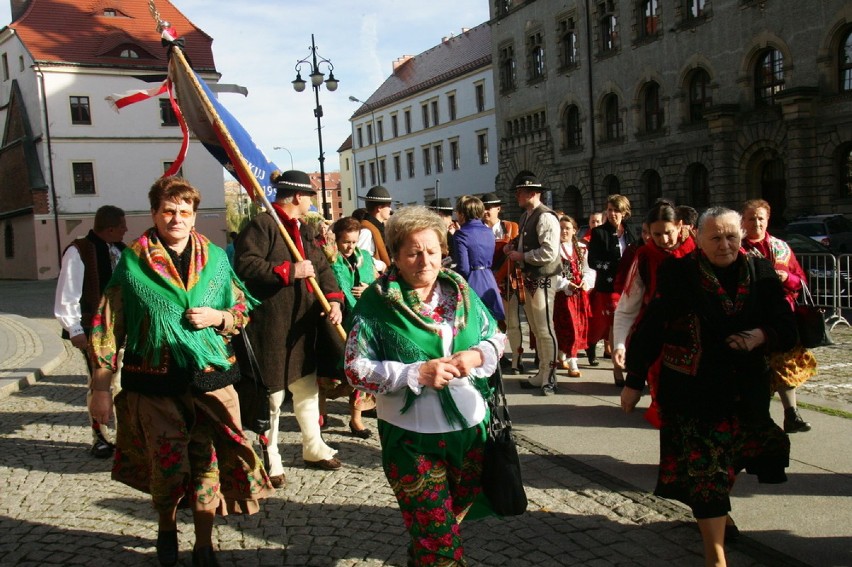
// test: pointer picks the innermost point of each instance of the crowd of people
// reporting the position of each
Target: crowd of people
(408, 314)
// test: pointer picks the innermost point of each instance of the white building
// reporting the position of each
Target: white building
(430, 127)
(65, 151)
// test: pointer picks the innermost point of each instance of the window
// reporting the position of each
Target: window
(844, 171)
(424, 111)
(611, 185)
(768, 77)
(167, 113)
(394, 126)
(427, 162)
(407, 116)
(653, 110)
(482, 147)
(21, 63)
(80, 110)
(167, 165)
(5, 59)
(373, 180)
(409, 158)
(397, 168)
(451, 106)
(573, 130)
(383, 170)
(9, 240)
(435, 120)
(535, 51)
(109, 12)
(454, 154)
(369, 134)
(700, 97)
(695, 9)
(653, 187)
(479, 92)
(649, 19)
(507, 68)
(362, 174)
(84, 178)
(128, 53)
(360, 137)
(613, 126)
(567, 44)
(503, 6)
(699, 186)
(608, 26)
(380, 131)
(845, 62)
(439, 158)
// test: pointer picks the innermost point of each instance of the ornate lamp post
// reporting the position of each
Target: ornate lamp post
(317, 79)
(375, 136)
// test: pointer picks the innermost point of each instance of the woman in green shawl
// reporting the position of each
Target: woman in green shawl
(173, 303)
(425, 345)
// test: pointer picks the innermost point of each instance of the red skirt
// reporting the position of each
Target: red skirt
(603, 310)
(571, 321)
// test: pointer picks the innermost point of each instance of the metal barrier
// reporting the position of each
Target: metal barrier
(829, 282)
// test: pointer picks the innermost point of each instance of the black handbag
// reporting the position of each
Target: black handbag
(810, 321)
(501, 468)
(253, 393)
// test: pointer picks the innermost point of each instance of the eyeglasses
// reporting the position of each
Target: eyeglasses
(170, 215)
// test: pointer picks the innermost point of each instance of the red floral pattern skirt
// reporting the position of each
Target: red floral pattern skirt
(191, 449)
(435, 478)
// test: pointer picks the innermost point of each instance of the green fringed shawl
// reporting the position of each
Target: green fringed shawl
(388, 316)
(154, 301)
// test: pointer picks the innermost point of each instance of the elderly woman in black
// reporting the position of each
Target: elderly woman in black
(716, 316)
(173, 302)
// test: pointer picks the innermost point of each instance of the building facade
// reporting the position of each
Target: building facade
(349, 197)
(429, 130)
(65, 151)
(700, 101)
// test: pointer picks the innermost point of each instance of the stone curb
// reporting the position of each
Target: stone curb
(49, 352)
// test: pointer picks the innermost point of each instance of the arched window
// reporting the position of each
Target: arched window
(653, 187)
(700, 97)
(844, 170)
(768, 76)
(698, 181)
(128, 53)
(844, 59)
(573, 130)
(652, 108)
(613, 126)
(611, 185)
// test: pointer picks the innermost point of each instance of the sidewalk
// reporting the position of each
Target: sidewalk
(588, 468)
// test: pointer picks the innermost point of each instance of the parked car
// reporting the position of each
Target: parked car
(834, 231)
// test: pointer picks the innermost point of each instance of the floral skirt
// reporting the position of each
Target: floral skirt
(791, 369)
(189, 449)
(700, 458)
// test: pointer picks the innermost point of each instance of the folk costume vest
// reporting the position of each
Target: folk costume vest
(529, 239)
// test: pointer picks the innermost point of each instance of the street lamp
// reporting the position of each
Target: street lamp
(375, 134)
(331, 83)
(288, 152)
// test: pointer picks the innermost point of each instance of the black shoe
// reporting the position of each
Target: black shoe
(360, 433)
(204, 557)
(793, 422)
(527, 385)
(593, 361)
(167, 548)
(101, 449)
(521, 368)
(505, 363)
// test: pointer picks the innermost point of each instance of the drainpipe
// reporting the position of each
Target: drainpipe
(591, 100)
(54, 202)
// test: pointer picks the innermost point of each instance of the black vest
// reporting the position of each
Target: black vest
(529, 238)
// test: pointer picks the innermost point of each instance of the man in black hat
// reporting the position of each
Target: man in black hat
(284, 327)
(444, 207)
(377, 201)
(536, 252)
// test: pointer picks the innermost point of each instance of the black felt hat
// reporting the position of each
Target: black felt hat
(530, 183)
(377, 194)
(292, 180)
(491, 200)
(442, 204)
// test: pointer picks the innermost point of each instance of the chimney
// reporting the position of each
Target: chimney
(465, 30)
(401, 61)
(18, 8)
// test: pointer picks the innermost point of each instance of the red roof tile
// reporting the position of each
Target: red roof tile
(76, 32)
(449, 59)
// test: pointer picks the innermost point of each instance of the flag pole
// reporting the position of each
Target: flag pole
(256, 190)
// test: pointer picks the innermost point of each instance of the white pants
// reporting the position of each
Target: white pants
(538, 308)
(306, 409)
